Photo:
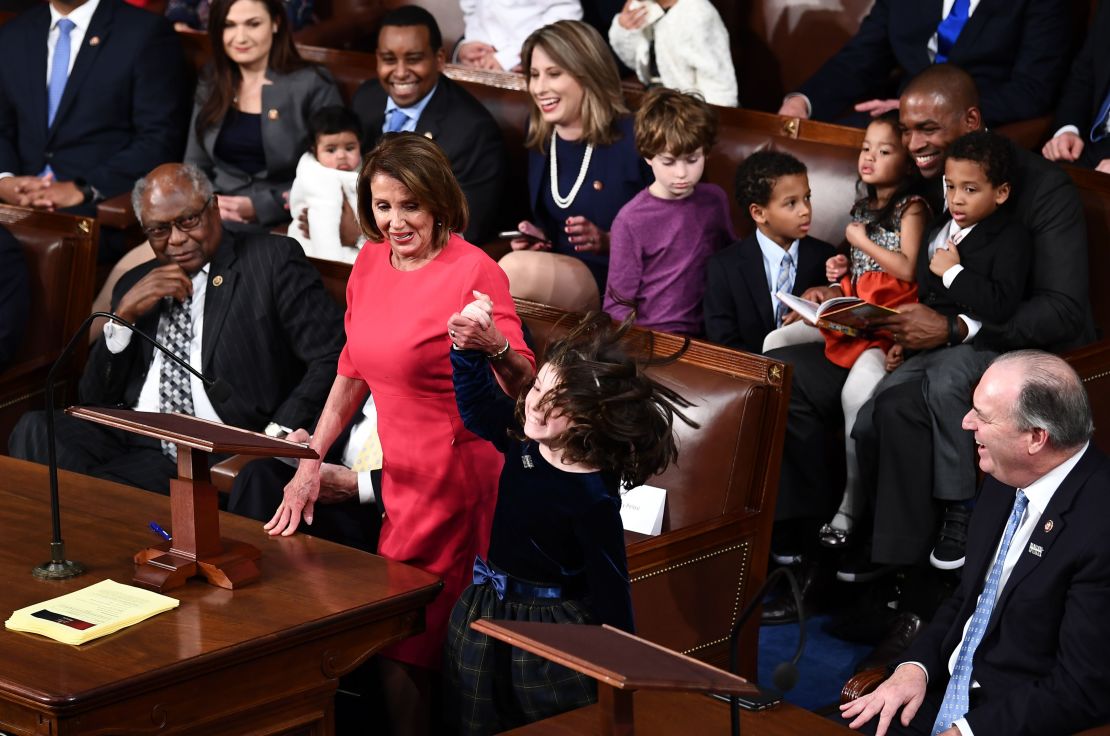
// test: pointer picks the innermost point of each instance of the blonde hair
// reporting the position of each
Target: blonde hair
(422, 167)
(579, 50)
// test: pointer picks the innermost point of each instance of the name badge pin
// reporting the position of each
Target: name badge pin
(218, 280)
(1036, 549)
(1048, 525)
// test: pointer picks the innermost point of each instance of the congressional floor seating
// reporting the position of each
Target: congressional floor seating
(61, 263)
(688, 583)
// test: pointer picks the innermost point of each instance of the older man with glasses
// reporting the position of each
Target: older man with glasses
(247, 310)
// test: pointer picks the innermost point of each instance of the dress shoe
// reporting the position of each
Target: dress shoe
(832, 537)
(782, 609)
(904, 629)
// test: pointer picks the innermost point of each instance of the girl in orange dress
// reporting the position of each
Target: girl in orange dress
(885, 234)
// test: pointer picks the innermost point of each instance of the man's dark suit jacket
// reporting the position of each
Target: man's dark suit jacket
(1056, 312)
(125, 105)
(737, 302)
(995, 255)
(15, 298)
(1086, 88)
(1016, 50)
(1042, 663)
(466, 132)
(271, 332)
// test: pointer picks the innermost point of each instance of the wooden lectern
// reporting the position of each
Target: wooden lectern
(197, 548)
(620, 662)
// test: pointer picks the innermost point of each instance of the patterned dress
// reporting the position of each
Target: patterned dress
(867, 280)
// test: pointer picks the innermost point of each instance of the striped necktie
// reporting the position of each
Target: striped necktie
(955, 703)
(785, 282)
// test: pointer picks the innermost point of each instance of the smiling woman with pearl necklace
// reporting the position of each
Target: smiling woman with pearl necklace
(582, 167)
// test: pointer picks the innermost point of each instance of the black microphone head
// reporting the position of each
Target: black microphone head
(219, 391)
(785, 677)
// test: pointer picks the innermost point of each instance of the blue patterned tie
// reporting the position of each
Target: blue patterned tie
(955, 703)
(949, 29)
(785, 282)
(397, 120)
(175, 391)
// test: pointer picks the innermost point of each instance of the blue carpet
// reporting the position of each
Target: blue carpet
(825, 666)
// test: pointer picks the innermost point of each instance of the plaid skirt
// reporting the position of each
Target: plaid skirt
(490, 686)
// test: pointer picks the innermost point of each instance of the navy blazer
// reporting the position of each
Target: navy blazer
(468, 135)
(995, 256)
(271, 333)
(124, 108)
(1015, 50)
(1042, 661)
(1087, 86)
(737, 301)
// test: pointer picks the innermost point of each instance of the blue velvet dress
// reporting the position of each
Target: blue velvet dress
(558, 538)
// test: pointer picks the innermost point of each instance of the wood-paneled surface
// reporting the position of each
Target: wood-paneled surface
(261, 660)
(664, 713)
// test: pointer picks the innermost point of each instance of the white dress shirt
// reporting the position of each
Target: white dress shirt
(81, 18)
(1039, 493)
(118, 337)
(359, 434)
(772, 262)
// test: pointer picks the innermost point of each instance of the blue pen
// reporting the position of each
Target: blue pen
(160, 531)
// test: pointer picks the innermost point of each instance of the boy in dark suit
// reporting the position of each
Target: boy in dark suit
(973, 269)
(741, 280)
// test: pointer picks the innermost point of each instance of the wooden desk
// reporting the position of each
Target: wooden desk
(665, 713)
(261, 660)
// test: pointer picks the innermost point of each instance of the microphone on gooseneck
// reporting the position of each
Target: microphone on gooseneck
(59, 568)
(785, 675)
(217, 389)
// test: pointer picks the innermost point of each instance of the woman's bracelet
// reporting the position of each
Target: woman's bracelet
(500, 354)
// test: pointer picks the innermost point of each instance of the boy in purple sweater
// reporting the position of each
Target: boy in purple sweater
(661, 239)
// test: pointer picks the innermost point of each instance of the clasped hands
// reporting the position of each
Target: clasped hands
(40, 192)
(473, 328)
(585, 236)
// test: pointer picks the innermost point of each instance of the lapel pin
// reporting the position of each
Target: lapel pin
(598, 186)
(218, 280)
(94, 41)
(428, 134)
(1048, 525)
(272, 114)
(1036, 549)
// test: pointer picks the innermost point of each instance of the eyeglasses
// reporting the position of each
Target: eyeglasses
(185, 223)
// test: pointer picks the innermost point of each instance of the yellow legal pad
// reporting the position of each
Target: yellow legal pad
(90, 613)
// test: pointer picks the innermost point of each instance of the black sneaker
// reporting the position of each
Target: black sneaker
(948, 554)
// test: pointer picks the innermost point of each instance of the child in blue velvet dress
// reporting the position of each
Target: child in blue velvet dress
(589, 423)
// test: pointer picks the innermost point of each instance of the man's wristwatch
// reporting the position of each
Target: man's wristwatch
(91, 193)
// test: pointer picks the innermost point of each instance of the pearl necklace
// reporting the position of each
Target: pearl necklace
(564, 202)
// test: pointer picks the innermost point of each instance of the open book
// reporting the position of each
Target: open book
(848, 314)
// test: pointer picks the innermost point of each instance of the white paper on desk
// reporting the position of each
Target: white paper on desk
(642, 509)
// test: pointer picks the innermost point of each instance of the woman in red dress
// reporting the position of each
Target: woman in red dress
(439, 481)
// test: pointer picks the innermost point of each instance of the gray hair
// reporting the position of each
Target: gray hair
(1052, 398)
(187, 172)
